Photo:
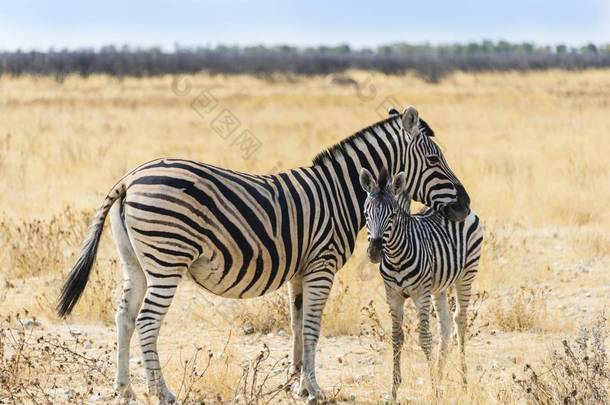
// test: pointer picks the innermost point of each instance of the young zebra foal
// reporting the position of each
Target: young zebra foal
(421, 256)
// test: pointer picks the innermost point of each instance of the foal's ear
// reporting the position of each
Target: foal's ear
(399, 183)
(410, 121)
(367, 181)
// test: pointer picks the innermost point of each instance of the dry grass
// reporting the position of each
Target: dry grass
(532, 149)
(522, 311)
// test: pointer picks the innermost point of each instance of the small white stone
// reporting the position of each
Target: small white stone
(248, 329)
(30, 322)
(282, 333)
(64, 394)
(419, 381)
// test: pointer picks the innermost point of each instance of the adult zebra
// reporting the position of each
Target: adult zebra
(242, 236)
(421, 256)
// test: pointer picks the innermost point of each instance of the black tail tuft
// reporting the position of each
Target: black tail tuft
(77, 279)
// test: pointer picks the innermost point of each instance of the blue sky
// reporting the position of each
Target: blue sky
(42, 24)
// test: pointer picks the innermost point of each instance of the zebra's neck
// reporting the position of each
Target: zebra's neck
(401, 238)
(380, 145)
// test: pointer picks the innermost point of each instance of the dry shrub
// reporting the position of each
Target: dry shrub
(36, 247)
(215, 377)
(522, 311)
(370, 324)
(578, 373)
(206, 376)
(264, 314)
(43, 368)
(263, 379)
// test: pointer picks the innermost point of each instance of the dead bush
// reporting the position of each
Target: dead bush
(36, 247)
(274, 317)
(577, 373)
(522, 311)
(43, 368)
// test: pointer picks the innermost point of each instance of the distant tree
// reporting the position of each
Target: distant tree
(432, 62)
(590, 48)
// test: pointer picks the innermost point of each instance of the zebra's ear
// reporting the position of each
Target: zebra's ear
(410, 121)
(383, 179)
(367, 181)
(393, 112)
(399, 184)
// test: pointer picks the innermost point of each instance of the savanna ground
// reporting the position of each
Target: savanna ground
(532, 150)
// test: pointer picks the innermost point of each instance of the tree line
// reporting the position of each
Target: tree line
(430, 61)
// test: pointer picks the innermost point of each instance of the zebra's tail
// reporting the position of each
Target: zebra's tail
(76, 282)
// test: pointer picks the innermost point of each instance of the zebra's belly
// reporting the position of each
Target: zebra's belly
(253, 280)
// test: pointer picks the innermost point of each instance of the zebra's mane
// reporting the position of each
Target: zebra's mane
(350, 141)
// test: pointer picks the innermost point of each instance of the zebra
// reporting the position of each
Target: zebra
(421, 256)
(240, 235)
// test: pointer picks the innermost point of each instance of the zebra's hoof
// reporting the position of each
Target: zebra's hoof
(166, 397)
(125, 393)
(317, 397)
(298, 390)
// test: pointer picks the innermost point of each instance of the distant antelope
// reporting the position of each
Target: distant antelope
(241, 236)
(421, 257)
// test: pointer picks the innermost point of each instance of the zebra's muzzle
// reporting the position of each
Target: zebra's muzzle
(375, 250)
(460, 209)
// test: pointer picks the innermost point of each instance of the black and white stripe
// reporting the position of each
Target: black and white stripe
(240, 235)
(421, 256)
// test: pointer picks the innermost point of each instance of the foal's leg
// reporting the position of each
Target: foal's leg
(441, 304)
(463, 290)
(423, 305)
(133, 292)
(396, 303)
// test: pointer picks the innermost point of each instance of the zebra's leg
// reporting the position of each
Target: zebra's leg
(396, 303)
(162, 285)
(463, 290)
(134, 286)
(423, 305)
(295, 293)
(445, 326)
(316, 287)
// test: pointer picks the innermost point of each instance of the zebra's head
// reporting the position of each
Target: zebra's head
(379, 208)
(429, 179)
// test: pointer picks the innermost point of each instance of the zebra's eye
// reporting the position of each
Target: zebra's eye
(433, 159)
